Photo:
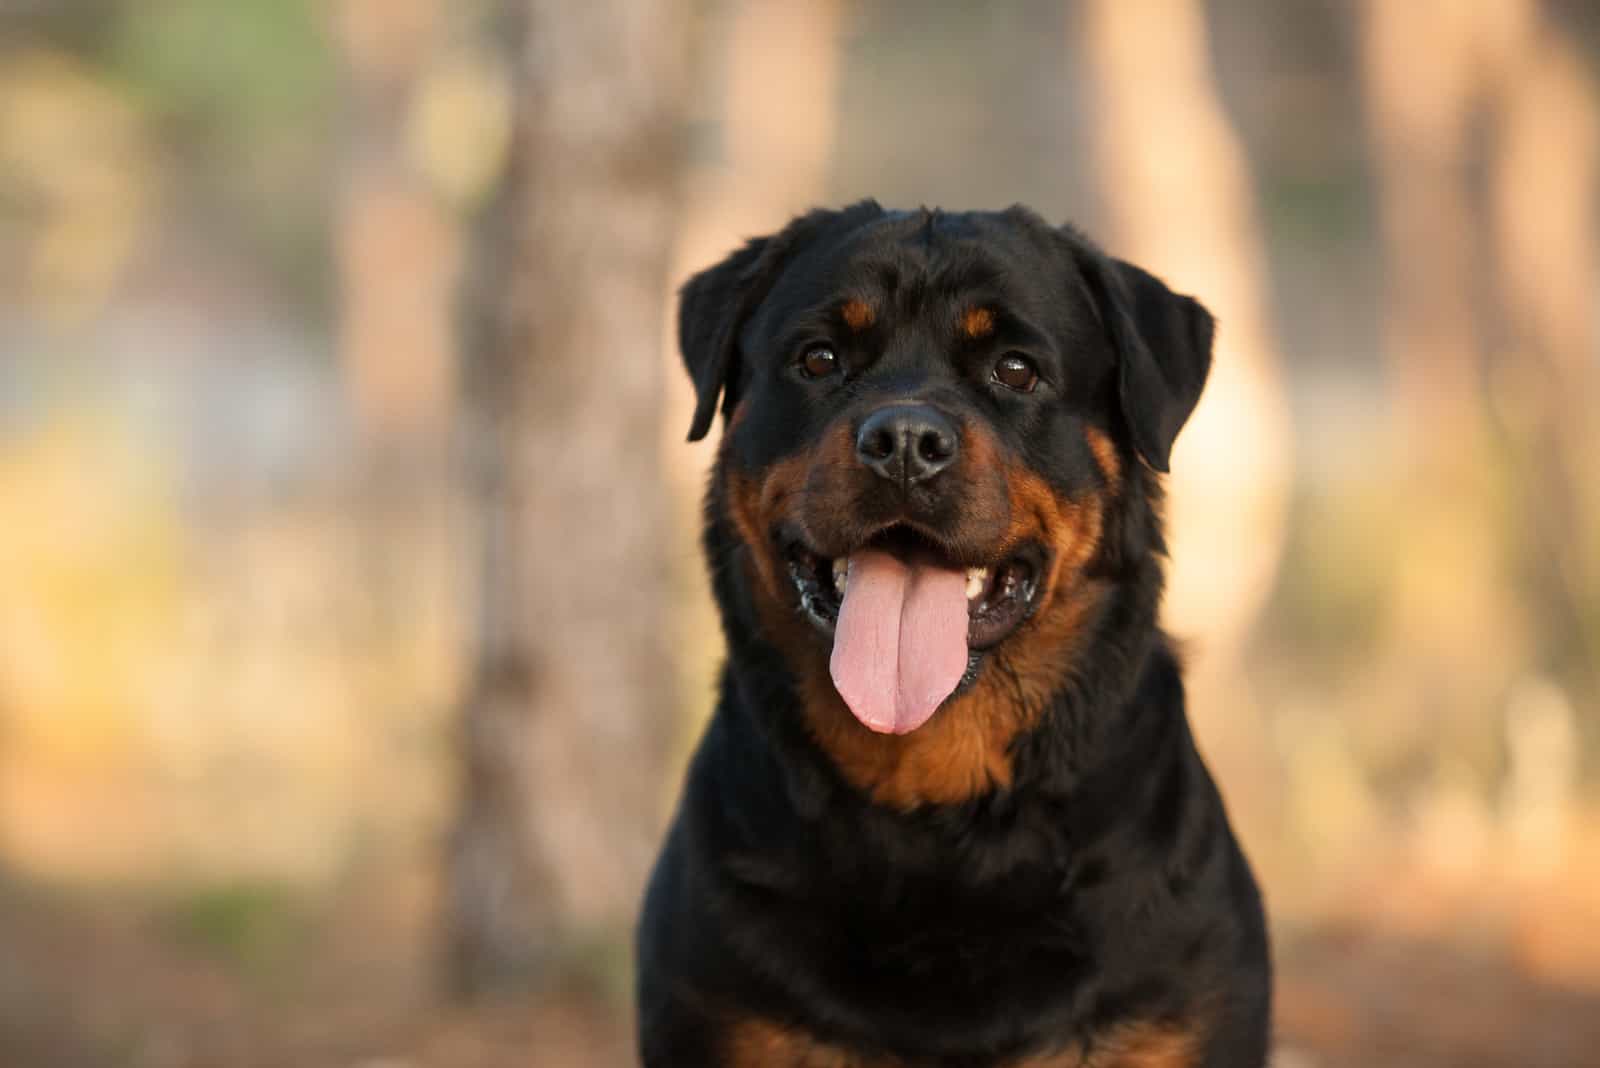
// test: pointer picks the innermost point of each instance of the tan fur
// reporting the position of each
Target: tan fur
(762, 1044)
(1105, 454)
(752, 505)
(1138, 1045)
(858, 315)
(977, 323)
(755, 1043)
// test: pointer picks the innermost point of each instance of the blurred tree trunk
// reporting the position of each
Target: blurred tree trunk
(397, 243)
(1544, 189)
(1177, 189)
(1453, 633)
(1490, 336)
(1424, 105)
(1419, 105)
(565, 729)
(395, 240)
(1460, 622)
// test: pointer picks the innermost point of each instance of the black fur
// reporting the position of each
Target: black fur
(1164, 341)
(1104, 886)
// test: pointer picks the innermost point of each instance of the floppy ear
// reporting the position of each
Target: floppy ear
(714, 304)
(1163, 343)
(711, 307)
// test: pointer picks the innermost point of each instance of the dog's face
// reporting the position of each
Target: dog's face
(939, 430)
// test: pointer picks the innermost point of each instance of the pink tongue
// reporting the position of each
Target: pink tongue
(900, 646)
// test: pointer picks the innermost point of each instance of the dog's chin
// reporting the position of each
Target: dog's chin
(1003, 587)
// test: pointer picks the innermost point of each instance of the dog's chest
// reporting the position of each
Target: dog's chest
(756, 1043)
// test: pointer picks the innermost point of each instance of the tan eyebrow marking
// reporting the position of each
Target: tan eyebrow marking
(857, 314)
(977, 323)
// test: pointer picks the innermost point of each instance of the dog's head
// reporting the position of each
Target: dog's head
(940, 435)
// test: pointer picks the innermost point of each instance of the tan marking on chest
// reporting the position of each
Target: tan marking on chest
(1132, 1046)
(763, 1044)
(755, 1043)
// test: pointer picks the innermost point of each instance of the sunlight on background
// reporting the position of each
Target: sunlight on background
(239, 552)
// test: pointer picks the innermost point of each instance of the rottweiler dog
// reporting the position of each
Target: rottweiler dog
(948, 812)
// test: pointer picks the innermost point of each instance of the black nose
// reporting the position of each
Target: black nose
(907, 443)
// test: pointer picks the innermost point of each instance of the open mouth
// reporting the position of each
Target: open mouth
(1000, 596)
(909, 623)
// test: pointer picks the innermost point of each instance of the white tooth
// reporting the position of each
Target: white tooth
(977, 579)
(841, 573)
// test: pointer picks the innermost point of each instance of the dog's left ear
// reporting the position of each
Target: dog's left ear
(1163, 342)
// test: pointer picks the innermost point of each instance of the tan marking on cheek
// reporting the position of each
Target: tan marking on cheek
(988, 503)
(754, 506)
(1105, 454)
(759, 1043)
(858, 314)
(1038, 657)
(976, 323)
(761, 502)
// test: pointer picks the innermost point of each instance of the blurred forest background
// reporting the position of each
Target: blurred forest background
(341, 445)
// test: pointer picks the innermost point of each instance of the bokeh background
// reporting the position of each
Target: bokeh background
(352, 630)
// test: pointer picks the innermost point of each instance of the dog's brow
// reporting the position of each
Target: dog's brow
(857, 313)
(811, 325)
(977, 322)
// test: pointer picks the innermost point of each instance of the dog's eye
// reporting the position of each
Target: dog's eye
(1016, 372)
(819, 362)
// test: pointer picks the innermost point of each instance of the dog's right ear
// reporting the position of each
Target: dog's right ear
(711, 307)
(714, 304)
